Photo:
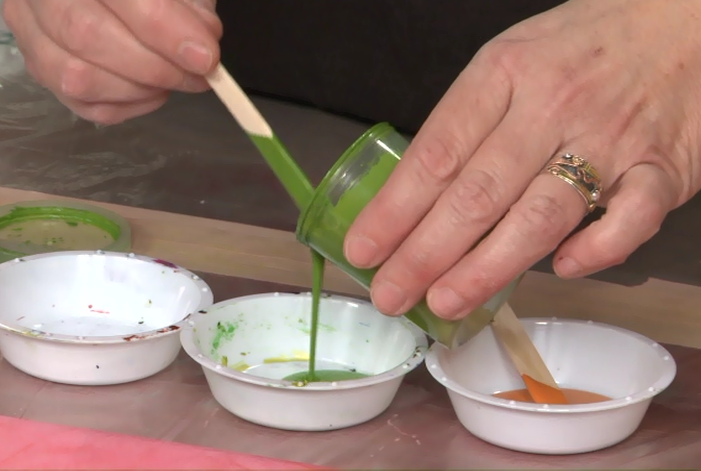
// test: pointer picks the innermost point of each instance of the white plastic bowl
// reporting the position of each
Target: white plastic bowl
(625, 366)
(275, 326)
(94, 318)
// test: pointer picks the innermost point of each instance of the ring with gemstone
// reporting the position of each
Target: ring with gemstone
(579, 173)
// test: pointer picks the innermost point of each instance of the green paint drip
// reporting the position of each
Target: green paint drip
(225, 331)
(326, 376)
(292, 177)
(318, 264)
(312, 375)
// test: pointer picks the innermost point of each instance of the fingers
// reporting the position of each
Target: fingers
(546, 213)
(633, 215)
(69, 76)
(114, 113)
(170, 30)
(467, 114)
(112, 64)
(493, 179)
(89, 31)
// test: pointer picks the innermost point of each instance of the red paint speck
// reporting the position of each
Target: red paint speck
(99, 311)
(166, 264)
(170, 328)
(89, 306)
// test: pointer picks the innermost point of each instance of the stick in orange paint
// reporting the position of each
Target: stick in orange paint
(515, 340)
(543, 393)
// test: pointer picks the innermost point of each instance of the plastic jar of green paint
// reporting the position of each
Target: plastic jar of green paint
(345, 190)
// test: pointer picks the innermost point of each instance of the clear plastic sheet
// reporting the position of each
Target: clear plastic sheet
(27, 110)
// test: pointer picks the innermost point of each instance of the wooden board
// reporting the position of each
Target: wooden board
(665, 311)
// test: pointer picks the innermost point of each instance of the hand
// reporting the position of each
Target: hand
(111, 60)
(617, 82)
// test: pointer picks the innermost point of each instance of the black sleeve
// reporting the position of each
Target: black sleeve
(377, 60)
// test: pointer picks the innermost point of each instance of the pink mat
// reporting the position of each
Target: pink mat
(34, 445)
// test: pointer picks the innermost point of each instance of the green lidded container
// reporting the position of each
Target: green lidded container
(34, 227)
(345, 190)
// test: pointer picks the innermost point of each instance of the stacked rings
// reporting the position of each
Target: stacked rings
(579, 173)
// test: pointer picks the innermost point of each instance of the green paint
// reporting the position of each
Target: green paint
(71, 216)
(224, 331)
(306, 328)
(311, 375)
(345, 190)
(292, 177)
(326, 376)
(318, 264)
(300, 189)
(101, 230)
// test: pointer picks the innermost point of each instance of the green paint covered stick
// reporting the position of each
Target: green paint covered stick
(292, 177)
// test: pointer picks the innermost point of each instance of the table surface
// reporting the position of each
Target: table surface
(419, 430)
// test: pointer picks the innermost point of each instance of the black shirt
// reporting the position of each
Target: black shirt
(376, 60)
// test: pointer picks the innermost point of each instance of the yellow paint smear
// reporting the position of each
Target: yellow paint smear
(297, 355)
(240, 366)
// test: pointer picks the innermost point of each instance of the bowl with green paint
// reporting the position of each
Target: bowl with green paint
(347, 188)
(254, 351)
(44, 226)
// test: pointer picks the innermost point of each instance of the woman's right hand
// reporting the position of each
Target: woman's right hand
(112, 60)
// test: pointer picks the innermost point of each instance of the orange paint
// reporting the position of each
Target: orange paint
(570, 396)
(542, 393)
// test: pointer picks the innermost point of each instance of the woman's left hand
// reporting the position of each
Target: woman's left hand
(617, 82)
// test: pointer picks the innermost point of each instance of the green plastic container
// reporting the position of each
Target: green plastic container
(345, 190)
(34, 227)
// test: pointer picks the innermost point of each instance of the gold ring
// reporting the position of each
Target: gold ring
(579, 173)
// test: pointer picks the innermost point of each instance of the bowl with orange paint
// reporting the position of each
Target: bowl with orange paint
(608, 374)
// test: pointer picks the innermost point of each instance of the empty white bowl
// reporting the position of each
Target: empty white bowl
(247, 345)
(94, 318)
(625, 366)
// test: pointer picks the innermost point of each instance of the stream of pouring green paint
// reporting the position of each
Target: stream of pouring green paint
(292, 177)
(300, 189)
(312, 375)
(318, 265)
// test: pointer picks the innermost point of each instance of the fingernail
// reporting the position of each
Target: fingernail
(361, 251)
(196, 57)
(445, 303)
(567, 268)
(388, 298)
